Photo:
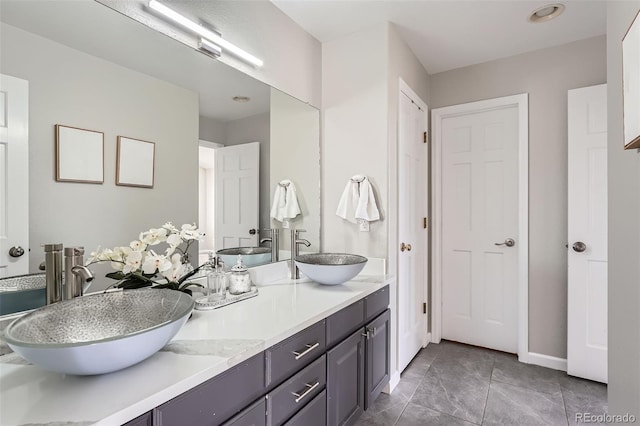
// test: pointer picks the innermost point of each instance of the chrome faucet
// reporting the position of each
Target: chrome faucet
(53, 272)
(76, 275)
(295, 242)
(274, 239)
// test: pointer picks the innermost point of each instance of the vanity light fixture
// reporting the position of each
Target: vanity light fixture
(209, 35)
(209, 47)
(546, 13)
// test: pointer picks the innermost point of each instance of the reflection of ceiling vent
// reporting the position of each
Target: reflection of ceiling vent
(241, 98)
(546, 13)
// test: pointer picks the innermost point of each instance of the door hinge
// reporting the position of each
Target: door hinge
(424, 308)
(424, 137)
(424, 222)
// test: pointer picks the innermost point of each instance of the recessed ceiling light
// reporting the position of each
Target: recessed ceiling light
(241, 98)
(546, 13)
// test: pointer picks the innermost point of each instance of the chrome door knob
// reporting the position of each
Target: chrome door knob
(509, 242)
(16, 251)
(579, 246)
(253, 231)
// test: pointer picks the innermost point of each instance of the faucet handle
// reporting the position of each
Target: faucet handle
(299, 230)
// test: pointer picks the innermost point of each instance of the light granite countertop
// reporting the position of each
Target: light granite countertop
(210, 343)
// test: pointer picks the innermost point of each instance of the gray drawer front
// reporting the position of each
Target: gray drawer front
(255, 415)
(281, 402)
(143, 420)
(213, 402)
(344, 322)
(282, 360)
(376, 303)
(314, 414)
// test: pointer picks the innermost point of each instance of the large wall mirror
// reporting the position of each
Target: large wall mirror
(89, 66)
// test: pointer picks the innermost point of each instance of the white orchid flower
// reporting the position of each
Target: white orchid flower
(174, 240)
(94, 256)
(154, 236)
(190, 232)
(105, 254)
(133, 262)
(170, 227)
(119, 254)
(137, 245)
(155, 262)
(176, 270)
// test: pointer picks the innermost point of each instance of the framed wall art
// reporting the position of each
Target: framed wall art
(79, 155)
(135, 165)
(631, 84)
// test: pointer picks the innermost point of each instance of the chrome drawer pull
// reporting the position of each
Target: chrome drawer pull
(299, 396)
(306, 351)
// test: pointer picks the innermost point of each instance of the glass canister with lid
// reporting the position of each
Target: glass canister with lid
(239, 279)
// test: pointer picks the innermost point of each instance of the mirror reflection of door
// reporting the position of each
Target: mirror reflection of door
(229, 195)
(14, 176)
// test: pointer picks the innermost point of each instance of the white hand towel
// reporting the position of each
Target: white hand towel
(357, 201)
(285, 201)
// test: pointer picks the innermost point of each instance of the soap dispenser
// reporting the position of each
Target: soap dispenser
(216, 283)
(239, 279)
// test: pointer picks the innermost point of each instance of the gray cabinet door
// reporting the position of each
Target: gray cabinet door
(377, 357)
(345, 380)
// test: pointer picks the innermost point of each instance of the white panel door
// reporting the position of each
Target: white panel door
(587, 235)
(412, 196)
(479, 222)
(14, 175)
(237, 191)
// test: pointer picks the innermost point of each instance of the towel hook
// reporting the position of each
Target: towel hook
(284, 185)
(358, 178)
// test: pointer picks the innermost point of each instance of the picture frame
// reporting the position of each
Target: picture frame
(631, 84)
(135, 163)
(79, 155)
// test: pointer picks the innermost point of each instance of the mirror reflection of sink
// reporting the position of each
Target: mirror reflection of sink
(22, 293)
(99, 333)
(331, 268)
(251, 256)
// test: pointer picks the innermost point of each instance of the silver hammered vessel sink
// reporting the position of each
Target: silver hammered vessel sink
(251, 256)
(100, 333)
(331, 268)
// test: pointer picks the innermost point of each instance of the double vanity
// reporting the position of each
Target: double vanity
(299, 354)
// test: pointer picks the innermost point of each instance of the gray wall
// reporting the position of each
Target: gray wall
(624, 231)
(354, 135)
(546, 75)
(73, 88)
(295, 155)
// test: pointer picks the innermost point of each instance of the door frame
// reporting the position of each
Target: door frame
(521, 101)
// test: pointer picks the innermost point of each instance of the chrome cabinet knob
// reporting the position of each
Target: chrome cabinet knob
(16, 251)
(579, 246)
(253, 231)
(509, 242)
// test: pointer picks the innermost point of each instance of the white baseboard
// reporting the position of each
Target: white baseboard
(547, 361)
(393, 382)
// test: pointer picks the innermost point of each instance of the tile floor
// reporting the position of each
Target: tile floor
(455, 384)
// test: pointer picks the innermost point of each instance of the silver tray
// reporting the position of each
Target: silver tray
(202, 304)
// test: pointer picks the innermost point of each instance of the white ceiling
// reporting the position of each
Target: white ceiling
(449, 34)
